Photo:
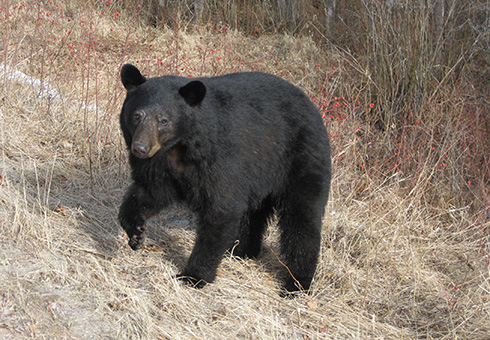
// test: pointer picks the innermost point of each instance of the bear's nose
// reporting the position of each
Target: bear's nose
(140, 149)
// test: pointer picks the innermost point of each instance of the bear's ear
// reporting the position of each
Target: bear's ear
(193, 93)
(131, 77)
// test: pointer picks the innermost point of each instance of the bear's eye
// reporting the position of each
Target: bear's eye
(137, 117)
(163, 121)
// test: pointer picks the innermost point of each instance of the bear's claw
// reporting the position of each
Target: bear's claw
(190, 281)
(137, 238)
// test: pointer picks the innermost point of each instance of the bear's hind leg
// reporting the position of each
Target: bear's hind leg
(300, 224)
(252, 229)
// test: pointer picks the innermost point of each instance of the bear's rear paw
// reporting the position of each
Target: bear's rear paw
(190, 281)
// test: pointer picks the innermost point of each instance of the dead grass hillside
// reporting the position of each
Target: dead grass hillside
(405, 244)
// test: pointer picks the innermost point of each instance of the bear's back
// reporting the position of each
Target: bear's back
(267, 94)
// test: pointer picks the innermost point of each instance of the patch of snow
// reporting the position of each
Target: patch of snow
(46, 90)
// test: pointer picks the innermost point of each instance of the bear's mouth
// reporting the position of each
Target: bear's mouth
(154, 149)
(143, 151)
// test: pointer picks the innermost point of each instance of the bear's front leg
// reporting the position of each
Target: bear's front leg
(212, 241)
(130, 217)
(137, 206)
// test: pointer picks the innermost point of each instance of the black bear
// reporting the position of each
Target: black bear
(236, 149)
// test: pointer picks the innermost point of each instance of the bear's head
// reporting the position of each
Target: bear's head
(153, 110)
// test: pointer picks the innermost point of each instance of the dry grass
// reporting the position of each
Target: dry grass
(402, 257)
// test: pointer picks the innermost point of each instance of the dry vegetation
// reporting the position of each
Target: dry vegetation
(406, 235)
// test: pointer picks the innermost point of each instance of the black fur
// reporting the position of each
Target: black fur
(236, 149)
